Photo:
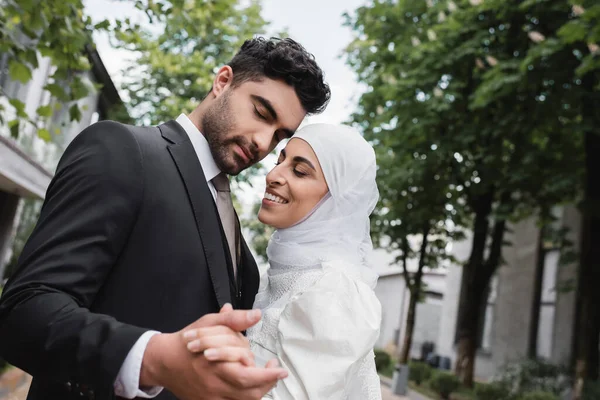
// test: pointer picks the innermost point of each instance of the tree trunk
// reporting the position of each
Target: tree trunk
(537, 294)
(588, 324)
(415, 293)
(410, 325)
(477, 275)
(471, 295)
(467, 342)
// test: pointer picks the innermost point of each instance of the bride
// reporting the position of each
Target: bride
(320, 315)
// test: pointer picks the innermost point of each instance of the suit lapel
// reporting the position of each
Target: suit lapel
(249, 275)
(204, 209)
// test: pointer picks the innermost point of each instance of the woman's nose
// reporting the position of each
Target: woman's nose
(274, 177)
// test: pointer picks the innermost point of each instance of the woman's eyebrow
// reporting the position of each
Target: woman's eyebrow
(304, 160)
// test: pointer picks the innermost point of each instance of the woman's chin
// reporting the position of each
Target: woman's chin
(265, 218)
(269, 219)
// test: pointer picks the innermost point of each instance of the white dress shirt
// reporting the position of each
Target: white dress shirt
(127, 384)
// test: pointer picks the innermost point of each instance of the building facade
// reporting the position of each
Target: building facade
(505, 334)
(27, 162)
(509, 315)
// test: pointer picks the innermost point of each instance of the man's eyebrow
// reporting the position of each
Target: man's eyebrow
(266, 104)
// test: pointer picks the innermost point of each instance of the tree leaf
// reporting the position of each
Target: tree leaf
(75, 113)
(19, 71)
(102, 25)
(19, 107)
(45, 111)
(57, 91)
(14, 128)
(44, 134)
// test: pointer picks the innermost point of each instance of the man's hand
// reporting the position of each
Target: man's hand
(167, 362)
(221, 343)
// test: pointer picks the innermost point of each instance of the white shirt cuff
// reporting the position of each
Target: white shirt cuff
(127, 384)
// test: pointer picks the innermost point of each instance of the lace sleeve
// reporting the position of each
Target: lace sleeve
(324, 333)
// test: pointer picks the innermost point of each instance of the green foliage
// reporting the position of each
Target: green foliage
(419, 372)
(382, 360)
(259, 233)
(444, 384)
(492, 391)
(177, 51)
(591, 390)
(476, 109)
(180, 50)
(538, 395)
(534, 375)
(58, 30)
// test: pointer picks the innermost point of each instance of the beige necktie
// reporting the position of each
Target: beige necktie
(227, 214)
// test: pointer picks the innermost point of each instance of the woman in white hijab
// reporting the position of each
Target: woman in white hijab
(320, 315)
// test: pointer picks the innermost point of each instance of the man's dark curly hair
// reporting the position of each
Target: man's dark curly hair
(286, 60)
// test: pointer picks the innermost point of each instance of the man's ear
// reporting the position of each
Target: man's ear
(223, 80)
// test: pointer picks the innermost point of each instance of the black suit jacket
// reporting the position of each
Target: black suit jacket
(128, 239)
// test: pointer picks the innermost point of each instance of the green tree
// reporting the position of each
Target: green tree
(414, 217)
(179, 51)
(460, 76)
(30, 29)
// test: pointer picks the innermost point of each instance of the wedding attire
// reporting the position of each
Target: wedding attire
(129, 242)
(321, 317)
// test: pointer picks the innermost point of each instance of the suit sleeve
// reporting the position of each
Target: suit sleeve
(91, 205)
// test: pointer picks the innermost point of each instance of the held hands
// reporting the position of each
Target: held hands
(218, 345)
(230, 375)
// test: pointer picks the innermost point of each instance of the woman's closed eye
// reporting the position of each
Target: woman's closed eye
(298, 172)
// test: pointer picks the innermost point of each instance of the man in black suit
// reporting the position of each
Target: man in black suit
(137, 240)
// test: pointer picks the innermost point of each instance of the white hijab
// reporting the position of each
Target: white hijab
(337, 229)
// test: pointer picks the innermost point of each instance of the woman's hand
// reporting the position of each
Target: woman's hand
(217, 344)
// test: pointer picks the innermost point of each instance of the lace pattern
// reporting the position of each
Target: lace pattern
(283, 284)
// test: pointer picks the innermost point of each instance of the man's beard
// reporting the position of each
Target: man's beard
(217, 122)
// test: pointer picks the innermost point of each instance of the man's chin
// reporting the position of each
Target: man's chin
(232, 169)
(229, 166)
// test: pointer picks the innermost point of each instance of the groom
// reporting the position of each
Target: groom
(138, 239)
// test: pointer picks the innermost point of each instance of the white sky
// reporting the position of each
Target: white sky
(316, 24)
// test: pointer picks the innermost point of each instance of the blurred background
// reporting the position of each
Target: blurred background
(485, 117)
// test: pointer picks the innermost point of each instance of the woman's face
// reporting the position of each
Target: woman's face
(294, 186)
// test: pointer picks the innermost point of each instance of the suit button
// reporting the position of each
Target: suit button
(68, 386)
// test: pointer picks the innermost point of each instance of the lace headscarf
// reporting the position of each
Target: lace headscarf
(337, 229)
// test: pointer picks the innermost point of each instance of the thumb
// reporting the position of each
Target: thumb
(236, 320)
(226, 308)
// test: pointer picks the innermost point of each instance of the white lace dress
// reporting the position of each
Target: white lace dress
(321, 324)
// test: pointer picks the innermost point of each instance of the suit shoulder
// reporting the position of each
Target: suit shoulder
(103, 143)
(104, 132)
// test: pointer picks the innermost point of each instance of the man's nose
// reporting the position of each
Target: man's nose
(263, 141)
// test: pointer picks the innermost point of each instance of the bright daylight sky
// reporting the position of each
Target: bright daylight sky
(316, 24)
